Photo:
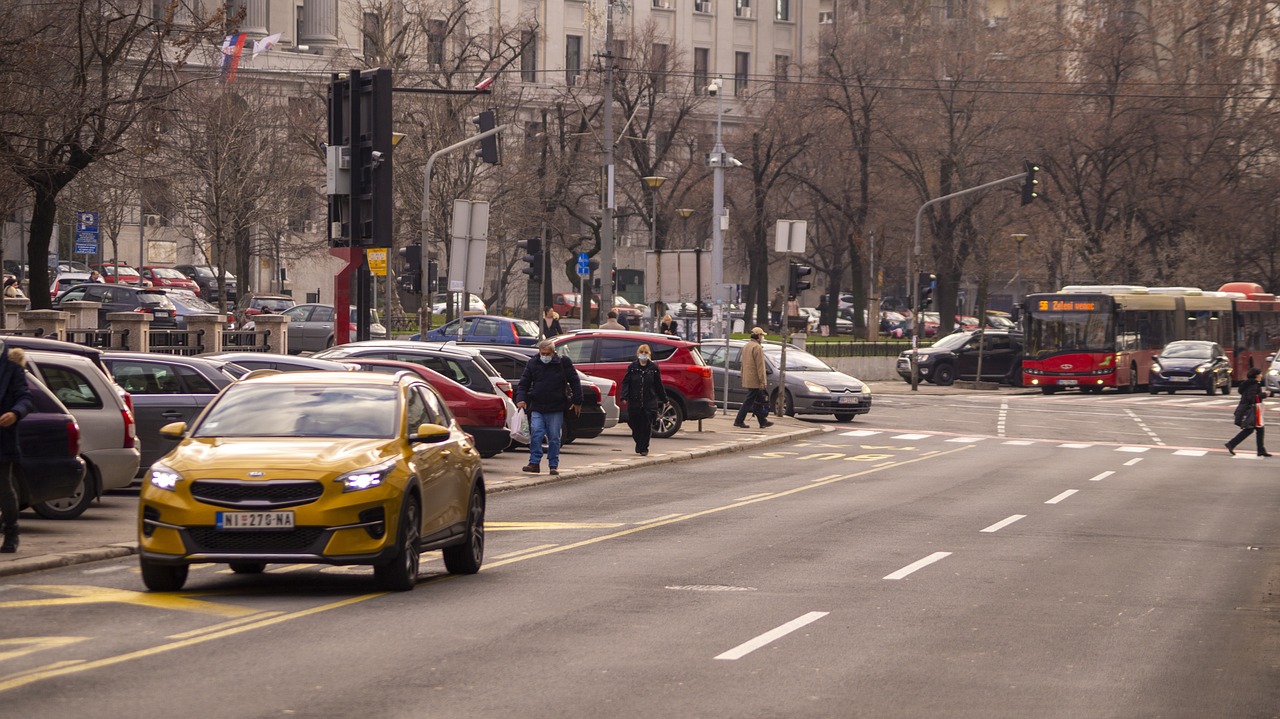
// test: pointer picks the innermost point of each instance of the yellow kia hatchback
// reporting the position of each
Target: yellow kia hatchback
(315, 467)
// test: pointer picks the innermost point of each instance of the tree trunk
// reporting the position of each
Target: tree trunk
(44, 209)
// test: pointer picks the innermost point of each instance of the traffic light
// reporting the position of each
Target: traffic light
(533, 257)
(488, 150)
(412, 278)
(433, 276)
(799, 278)
(1030, 185)
(926, 283)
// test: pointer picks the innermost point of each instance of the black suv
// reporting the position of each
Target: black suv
(124, 298)
(207, 278)
(956, 357)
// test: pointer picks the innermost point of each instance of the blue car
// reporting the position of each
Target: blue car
(486, 329)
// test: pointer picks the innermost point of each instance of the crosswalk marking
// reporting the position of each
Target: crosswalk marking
(1135, 450)
(966, 440)
(1190, 452)
(1020, 442)
(859, 433)
(1075, 445)
(912, 436)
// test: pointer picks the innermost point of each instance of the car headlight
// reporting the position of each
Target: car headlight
(1155, 369)
(866, 390)
(162, 477)
(816, 388)
(366, 478)
(1273, 372)
(1202, 369)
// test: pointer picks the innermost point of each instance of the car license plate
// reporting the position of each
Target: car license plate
(162, 313)
(1179, 379)
(1069, 382)
(848, 400)
(255, 520)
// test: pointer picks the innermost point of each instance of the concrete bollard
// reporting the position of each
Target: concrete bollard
(84, 315)
(278, 326)
(134, 329)
(52, 323)
(13, 307)
(212, 325)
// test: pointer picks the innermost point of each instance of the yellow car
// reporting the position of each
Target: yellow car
(315, 467)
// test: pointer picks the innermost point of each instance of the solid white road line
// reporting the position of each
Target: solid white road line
(746, 648)
(1062, 496)
(918, 565)
(1004, 523)
(1101, 477)
(1133, 461)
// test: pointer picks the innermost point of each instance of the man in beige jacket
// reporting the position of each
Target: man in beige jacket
(753, 380)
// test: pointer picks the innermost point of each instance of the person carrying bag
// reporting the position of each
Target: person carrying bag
(1250, 413)
(549, 388)
(643, 394)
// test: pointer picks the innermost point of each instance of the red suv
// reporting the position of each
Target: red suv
(687, 379)
(169, 277)
(118, 274)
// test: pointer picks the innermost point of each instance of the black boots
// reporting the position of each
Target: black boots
(10, 539)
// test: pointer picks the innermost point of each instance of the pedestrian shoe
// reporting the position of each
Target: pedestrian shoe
(765, 423)
(1264, 454)
(1230, 450)
(531, 468)
(554, 471)
(643, 454)
(10, 544)
(741, 425)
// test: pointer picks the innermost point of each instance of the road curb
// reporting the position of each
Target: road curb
(66, 559)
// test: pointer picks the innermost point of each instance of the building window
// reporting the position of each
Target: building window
(701, 70)
(297, 26)
(658, 66)
(742, 8)
(372, 33)
(435, 42)
(528, 56)
(781, 70)
(572, 58)
(702, 6)
(741, 70)
(784, 10)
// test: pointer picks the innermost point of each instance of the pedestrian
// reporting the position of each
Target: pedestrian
(668, 326)
(775, 308)
(548, 388)
(12, 290)
(1249, 413)
(612, 323)
(753, 381)
(15, 403)
(550, 323)
(95, 276)
(622, 320)
(643, 395)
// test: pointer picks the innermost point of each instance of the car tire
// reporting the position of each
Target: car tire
(466, 558)
(1211, 390)
(1226, 387)
(75, 505)
(1151, 389)
(163, 577)
(248, 567)
(845, 416)
(328, 343)
(943, 375)
(1015, 375)
(400, 572)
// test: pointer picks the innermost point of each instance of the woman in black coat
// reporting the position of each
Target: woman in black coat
(643, 393)
(1249, 413)
(15, 403)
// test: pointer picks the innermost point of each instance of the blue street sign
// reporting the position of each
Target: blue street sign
(86, 233)
(584, 264)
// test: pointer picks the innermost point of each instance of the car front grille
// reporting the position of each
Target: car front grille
(265, 494)
(294, 541)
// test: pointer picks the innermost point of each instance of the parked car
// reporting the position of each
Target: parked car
(186, 304)
(347, 468)
(843, 326)
(1271, 380)
(1191, 364)
(122, 298)
(118, 273)
(569, 304)
(490, 329)
(1001, 321)
(464, 366)
(311, 327)
(71, 266)
(599, 395)
(166, 388)
(813, 387)
(51, 468)
(686, 378)
(277, 304)
(169, 278)
(66, 281)
(633, 314)
(474, 303)
(956, 357)
(893, 324)
(207, 278)
(245, 362)
(482, 415)
(108, 435)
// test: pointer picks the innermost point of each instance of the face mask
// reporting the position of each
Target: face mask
(546, 359)
(643, 358)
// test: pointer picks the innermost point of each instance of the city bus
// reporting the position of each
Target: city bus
(1257, 327)
(1093, 336)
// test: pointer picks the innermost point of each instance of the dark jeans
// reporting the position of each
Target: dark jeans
(1243, 434)
(756, 404)
(640, 420)
(8, 498)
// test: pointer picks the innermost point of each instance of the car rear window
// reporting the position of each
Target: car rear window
(578, 351)
(42, 398)
(71, 387)
(525, 328)
(155, 299)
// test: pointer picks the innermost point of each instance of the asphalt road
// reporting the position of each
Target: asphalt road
(980, 555)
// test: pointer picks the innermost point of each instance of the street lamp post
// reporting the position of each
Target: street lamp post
(685, 213)
(655, 182)
(1018, 239)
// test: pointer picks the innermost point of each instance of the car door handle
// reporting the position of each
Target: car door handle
(172, 414)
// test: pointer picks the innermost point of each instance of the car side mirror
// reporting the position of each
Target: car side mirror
(174, 430)
(1270, 358)
(430, 434)
(1223, 358)
(1155, 357)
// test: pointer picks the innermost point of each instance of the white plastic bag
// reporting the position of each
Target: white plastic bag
(518, 426)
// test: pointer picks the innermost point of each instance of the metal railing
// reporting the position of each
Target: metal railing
(37, 332)
(101, 339)
(246, 340)
(177, 342)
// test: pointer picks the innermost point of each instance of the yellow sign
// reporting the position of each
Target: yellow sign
(377, 261)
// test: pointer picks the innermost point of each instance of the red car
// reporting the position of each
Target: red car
(118, 274)
(169, 277)
(687, 379)
(569, 304)
(483, 416)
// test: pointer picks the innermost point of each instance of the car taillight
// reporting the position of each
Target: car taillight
(128, 428)
(701, 371)
(354, 328)
(73, 438)
(515, 337)
(613, 389)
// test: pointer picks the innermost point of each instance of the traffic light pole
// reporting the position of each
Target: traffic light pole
(916, 310)
(781, 405)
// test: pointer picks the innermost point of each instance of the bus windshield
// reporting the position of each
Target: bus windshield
(1056, 332)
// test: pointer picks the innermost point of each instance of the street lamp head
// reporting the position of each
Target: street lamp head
(654, 182)
(684, 212)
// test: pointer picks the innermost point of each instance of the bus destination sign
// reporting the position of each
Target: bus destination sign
(1067, 306)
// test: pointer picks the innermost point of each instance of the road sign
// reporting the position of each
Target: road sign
(584, 264)
(789, 236)
(377, 261)
(86, 233)
(470, 244)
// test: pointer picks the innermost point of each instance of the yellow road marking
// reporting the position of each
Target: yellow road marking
(525, 551)
(753, 496)
(79, 594)
(656, 519)
(527, 526)
(47, 667)
(223, 625)
(22, 646)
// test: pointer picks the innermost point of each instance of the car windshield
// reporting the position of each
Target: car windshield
(167, 273)
(1001, 322)
(120, 271)
(277, 304)
(191, 302)
(525, 328)
(953, 342)
(797, 360)
(303, 410)
(1187, 351)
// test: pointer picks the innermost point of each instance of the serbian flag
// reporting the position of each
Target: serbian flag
(265, 44)
(232, 48)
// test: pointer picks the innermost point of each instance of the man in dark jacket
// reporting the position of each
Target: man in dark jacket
(643, 393)
(548, 388)
(15, 403)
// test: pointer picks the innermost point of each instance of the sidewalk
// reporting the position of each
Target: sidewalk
(109, 528)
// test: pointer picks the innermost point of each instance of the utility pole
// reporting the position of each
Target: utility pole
(606, 211)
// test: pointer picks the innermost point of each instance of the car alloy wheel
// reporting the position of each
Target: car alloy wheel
(668, 420)
(69, 507)
(400, 572)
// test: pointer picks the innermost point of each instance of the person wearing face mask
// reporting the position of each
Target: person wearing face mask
(549, 387)
(642, 393)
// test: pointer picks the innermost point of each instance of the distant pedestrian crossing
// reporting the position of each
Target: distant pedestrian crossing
(882, 435)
